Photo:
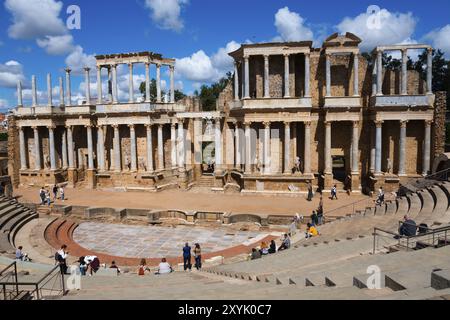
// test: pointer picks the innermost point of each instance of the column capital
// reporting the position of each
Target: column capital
(430, 50)
(171, 68)
(266, 56)
(68, 70)
(356, 124)
(379, 52)
(286, 55)
(158, 64)
(68, 127)
(403, 123)
(51, 127)
(287, 123)
(115, 126)
(148, 125)
(89, 126)
(99, 68)
(429, 122)
(160, 125)
(246, 57)
(328, 123)
(131, 126)
(328, 55)
(307, 54)
(379, 123)
(87, 69)
(248, 123)
(307, 123)
(266, 124)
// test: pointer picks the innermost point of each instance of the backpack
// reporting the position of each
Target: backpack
(58, 257)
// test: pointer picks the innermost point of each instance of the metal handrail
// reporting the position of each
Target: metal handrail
(436, 174)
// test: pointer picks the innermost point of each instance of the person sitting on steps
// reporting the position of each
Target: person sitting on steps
(164, 267)
(286, 243)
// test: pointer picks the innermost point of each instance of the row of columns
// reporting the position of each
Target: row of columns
(177, 152)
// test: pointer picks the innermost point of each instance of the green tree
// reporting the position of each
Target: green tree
(441, 67)
(209, 94)
(179, 95)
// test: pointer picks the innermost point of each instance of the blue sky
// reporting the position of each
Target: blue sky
(34, 38)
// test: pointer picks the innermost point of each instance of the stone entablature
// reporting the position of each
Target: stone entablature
(127, 58)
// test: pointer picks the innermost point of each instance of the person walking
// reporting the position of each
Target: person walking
(55, 192)
(198, 256)
(310, 192)
(42, 196)
(187, 257)
(48, 199)
(320, 212)
(61, 258)
(334, 193)
(62, 193)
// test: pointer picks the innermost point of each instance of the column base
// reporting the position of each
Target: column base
(72, 177)
(91, 179)
(356, 183)
(328, 181)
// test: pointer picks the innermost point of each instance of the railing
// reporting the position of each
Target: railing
(439, 176)
(426, 238)
(5, 275)
(347, 210)
(50, 285)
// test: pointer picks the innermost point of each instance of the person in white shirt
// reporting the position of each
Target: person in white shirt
(164, 267)
(61, 258)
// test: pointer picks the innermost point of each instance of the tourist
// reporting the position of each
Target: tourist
(408, 227)
(164, 267)
(114, 266)
(311, 231)
(143, 267)
(187, 257)
(62, 193)
(334, 193)
(314, 218)
(93, 264)
(320, 211)
(255, 254)
(273, 247)
(285, 244)
(264, 249)
(48, 200)
(55, 192)
(82, 265)
(293, 228)
(380, 199)
(21, 256)
(61, 258)
(42, 195)
(310, 192)
(198, 256)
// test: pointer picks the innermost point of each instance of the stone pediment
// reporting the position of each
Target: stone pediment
(337, 40)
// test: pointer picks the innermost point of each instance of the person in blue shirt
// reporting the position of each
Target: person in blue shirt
(187, 257)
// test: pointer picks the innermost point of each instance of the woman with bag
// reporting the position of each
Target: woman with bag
(198, 256)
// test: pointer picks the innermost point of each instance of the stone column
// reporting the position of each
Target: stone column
(99, 85)
(237, 146)
(307, 76)
(267, 146)
(181, 151)
(378, 146)
(287, 148)
(355, 148)
(133, 151)
(404, 87)
(236, 82)
(61, 92)
(427, 148)
(402, 147)
(130, 83)
(70, 147)
(430, 71)
(247, 78)
(64, 149)
(34, 91)
(37, 149)
(100, 148)
(19, 94)
(374, 77)
(173, 144)
(68, 87)
(87, 82)
(90, 148)
(266, 77)
(160, 147)
(355, 75)
(372, 149)
(172, 84)
(114, 83)
(49, 90)
(379, 73)
(23, 156)
(117, 158)
(307, 152)
(287, 87)
(218, 144)
(158, 83)
(248, 148)
(328, 74)
(51, 138)
(328, 166)
(147, 82)
(150, 166)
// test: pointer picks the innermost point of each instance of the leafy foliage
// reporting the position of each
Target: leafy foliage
(209, 94)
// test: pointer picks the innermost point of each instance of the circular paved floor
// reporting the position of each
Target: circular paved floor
(153, 241)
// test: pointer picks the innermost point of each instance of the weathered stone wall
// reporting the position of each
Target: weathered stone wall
(440, 108)
(13, 152)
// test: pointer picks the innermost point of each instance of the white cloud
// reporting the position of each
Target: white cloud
(35, 18)
(198, 67)
(77, 60)
(167, 13)
(440, 39)
(388, 28)
(291, 26)
(221, 60)
(4, 103)
(10, 73)
(57, 45)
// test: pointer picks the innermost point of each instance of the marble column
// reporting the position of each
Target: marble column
(51, 139)
(355, 75)
(247, 78)
(307, 151)
(402, 147)
(34, 92)
(372, 148)
(130, 83)
(287, 148)
(248, 148)
(355, 148)
(379, 73)
(378, 146)
(181, 149)
(218, 143)
(114, 84)
(99, 85)
(61, 92)
(49, 90)
(70, 147)
(404, 89)
(150, 166)
(64, 149)
(267, 146)
(158, 83)
(147, 82)
(101, 148)
(374, 77)
(287, 87)
(172, 84)
(173, 144)
(117, 158)
(68, 87)
(236, 82)
(37, 149)
(237, 146)
(23, 156)
(90, 148)
(160, 147)
(266, 77)
(133, 151)
(19, 94)
(430, 71)
(307, 76)
(427, 148)
(87, 83)
(328, 74)
(328, 165)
